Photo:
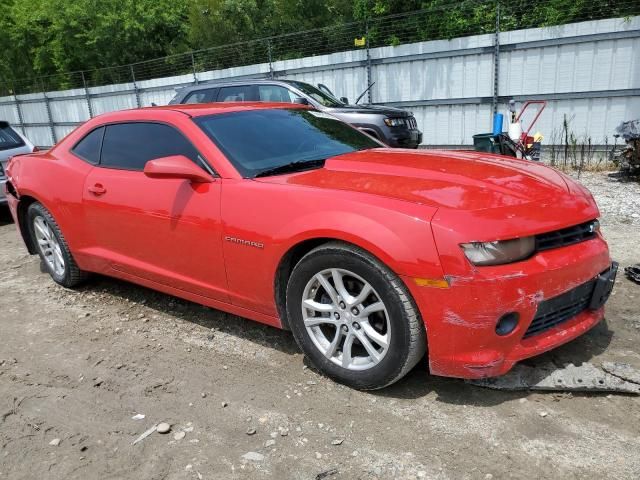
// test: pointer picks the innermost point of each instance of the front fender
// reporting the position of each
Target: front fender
(403, 244)
(264, 221)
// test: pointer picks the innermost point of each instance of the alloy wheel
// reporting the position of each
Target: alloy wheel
(49, 246)
(346, 319)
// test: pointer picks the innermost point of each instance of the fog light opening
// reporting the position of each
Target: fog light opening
(507, 323)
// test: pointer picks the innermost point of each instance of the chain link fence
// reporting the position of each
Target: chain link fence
(446, 21)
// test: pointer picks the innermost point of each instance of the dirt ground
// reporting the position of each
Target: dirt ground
(78, 365)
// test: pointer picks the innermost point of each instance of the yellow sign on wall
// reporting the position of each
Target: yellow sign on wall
(360, 42)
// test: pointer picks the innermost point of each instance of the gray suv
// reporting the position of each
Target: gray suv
(11, 143)
(393, 126)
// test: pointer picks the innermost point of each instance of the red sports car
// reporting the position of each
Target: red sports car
(285, 215)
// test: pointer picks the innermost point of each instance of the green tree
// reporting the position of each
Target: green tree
(45, 37)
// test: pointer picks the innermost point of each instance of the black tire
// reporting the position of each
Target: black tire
(407, 340)
(72, 275)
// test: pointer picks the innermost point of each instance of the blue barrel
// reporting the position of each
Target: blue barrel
(498, 118)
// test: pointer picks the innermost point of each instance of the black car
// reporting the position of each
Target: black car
(393, 126)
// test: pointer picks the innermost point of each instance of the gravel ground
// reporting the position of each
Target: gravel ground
(79, 368)
(618, 199)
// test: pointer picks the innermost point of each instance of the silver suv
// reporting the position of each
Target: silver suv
(393, 126)
(11, 143)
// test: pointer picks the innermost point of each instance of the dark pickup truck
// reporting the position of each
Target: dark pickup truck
(393, 126)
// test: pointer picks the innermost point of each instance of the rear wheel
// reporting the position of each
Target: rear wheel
(52, 247)
(353, 317)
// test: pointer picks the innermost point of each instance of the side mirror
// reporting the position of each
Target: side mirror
(344, 100)
(301, 101)
(176, 166)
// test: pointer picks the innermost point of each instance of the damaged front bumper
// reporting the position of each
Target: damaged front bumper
(461, 320)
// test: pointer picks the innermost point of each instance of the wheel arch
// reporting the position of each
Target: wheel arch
(287, 262)
(23, 207)
(370, 131)
(298, 249)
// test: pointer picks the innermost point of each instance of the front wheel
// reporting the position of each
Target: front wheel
(353, 317)
(52, 247)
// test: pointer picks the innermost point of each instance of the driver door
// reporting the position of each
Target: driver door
(163, 230)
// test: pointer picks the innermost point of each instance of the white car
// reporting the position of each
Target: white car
(11, 143)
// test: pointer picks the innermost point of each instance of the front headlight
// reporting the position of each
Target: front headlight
(394, 122)
(500, 252)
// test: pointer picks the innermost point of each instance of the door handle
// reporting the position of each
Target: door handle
(97, 189)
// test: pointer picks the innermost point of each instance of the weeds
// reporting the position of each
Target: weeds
(569, 151)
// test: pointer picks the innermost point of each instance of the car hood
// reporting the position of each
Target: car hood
(369, 109)
(442, 179)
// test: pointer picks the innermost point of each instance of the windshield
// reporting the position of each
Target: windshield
(257, 141)
(9, 138)
(317, 94)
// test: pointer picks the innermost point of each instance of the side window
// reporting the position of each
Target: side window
(129, 146)
(89, 147)
(200, 96)
(9, 138)
(274, 93)
(237, 93)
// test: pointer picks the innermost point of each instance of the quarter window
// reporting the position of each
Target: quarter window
(89, 147)
(129, 146)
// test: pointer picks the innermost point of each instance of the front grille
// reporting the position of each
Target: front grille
(567, 236)
(411, 123)
(559, 309)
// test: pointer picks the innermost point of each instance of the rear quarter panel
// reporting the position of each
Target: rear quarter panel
(57, 183)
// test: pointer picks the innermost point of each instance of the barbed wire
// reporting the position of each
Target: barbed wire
(446, 21)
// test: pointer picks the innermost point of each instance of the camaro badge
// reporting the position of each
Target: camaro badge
(247, 243)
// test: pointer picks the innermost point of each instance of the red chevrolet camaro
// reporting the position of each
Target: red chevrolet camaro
(285, 215)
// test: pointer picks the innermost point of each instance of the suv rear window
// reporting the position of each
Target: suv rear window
(9, 138)
(201, 96)
(237, 93)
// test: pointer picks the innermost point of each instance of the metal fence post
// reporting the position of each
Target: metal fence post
(193, 69)
(271, 72)
(49, 116)
(87, 96)
(366, 32)
(135, 86)
(496, 60)
(20, 119)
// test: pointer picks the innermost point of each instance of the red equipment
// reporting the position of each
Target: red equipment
(525, 145)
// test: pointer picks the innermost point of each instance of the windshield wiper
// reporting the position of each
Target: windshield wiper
(291, 167)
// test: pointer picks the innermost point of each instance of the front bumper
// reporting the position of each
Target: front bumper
(402, 138)
(461, 320)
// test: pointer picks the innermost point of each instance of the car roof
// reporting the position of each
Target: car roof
(241, 81)
(201, 109)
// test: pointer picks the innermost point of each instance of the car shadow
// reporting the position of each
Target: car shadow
(5, 216)
(208, 318)
(417, 384)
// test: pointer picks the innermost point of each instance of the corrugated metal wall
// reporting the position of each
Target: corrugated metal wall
(588, 72)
